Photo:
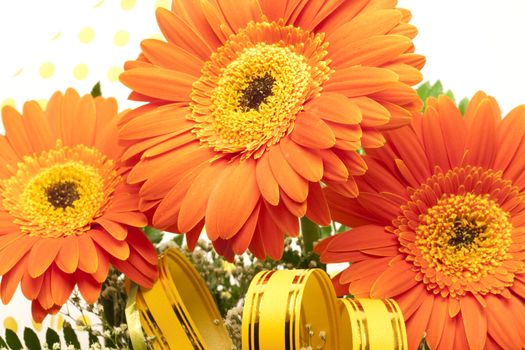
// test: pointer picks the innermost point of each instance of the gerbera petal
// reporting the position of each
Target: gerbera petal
(310, 131)
(497, 318)
(482, 148)
(237, 193)
(45, 295)
(266, 181)
(238, 14)
(31, 286)
(11, 280)
(317, 206)
(158, 82)
(118, 249)
(292, 183)
(242, 240)
(436, 324)
(37, 127)
(178, 32)
(193, 207)
(63, 285)
(365, 26)
(360, 81)
(14, 252)
(89, 288)
(394, 280)
(417, 325)
(68, 257)
(336, 108)
(374, 51)
(170, 56)
(88, 261)
(138, 241)
(474, 322)
(15, 131)
(133, 273)
(307, 163)
(115, 229)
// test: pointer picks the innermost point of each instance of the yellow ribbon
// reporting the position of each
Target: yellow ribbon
(133, 317)
(283, 310)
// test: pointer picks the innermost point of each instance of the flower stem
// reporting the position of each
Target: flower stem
(311, 234)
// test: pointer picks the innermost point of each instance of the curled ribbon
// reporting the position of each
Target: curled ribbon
(283, 310)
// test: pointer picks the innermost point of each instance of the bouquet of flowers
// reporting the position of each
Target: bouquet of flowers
(269, 135)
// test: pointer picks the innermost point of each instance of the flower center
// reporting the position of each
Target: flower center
(252, 88)
(464, 235)
(59, 192)
(258, 90)
(62, 194)
(457, 231)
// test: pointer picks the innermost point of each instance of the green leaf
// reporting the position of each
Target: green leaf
(52, 338)
(463, 105)
(2, 343)
(178, 239)
(12, 340)
(31, 339)
(423, 345)
(96, 91)
(450, 94)
(326, 231)
(154, 235)
(343, 228)
(93, 339)
(71, 337)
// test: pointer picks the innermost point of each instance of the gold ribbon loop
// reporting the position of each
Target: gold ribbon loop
(283, 310)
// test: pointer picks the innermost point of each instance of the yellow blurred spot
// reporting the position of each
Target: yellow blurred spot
(9, 102)
(157, 36)
(36, 326)
(86, 35)
(10, 323)
(121, 38)
(228, 267)
(163, 3)
(42, 103)
(113, 73)
(60, 322)
(18, 72)
(81, 71)
(83, 321)
(99, 3)
(47, 70)
(127, 4)
(56, 36)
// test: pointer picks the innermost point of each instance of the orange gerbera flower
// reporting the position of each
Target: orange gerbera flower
(440, 226)
(66, 212)
(252, 103)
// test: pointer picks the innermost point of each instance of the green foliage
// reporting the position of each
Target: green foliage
(92, 338)
(96, 91)
(2, 343)
(427, 90)
(52, 338)
(463, 105)
(31, 339)
(423, 345)
(71, 337)
(12, 340)
(154, 235)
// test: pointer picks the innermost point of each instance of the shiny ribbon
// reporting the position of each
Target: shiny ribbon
(133, 317)
(283, 310)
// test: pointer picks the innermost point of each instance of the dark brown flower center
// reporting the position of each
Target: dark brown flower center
(258, 90)
(465, 233)
(62, 194)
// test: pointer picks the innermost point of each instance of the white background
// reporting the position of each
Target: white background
(469, 44)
